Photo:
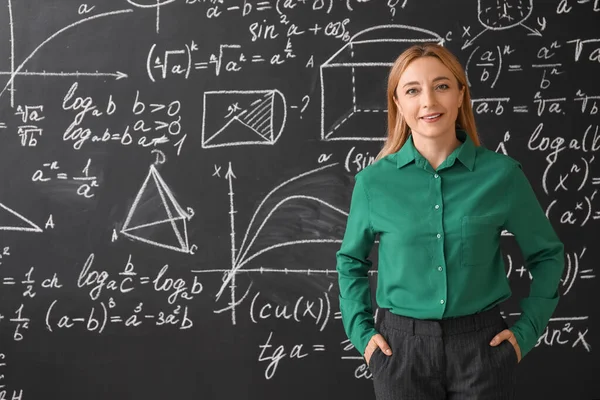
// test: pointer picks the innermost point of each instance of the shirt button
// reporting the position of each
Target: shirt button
(441, 301)
(440, 268)
(437, 206)
(438, 236)
(436, 175)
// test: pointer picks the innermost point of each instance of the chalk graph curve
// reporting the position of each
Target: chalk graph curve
(14, 72)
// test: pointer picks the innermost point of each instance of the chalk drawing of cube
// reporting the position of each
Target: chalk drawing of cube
(354, 81)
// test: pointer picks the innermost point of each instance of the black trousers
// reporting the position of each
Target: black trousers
(444, 359)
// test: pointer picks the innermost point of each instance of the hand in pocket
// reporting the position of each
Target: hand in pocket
(376, 341)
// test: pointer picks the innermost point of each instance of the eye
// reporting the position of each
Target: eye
(443, 86)
(409, 91)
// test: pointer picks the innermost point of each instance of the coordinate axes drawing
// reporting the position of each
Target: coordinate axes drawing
(18, 70)
(242, 257)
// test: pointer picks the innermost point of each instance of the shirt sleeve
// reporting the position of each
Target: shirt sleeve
(543, 253)
(352, 268)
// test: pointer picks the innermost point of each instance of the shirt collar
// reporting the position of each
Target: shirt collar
(465, 153)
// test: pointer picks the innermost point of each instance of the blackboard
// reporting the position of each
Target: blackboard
(176, 176)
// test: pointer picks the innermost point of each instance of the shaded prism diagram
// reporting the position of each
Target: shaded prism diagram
(242, 117)
(10, 220)
(354, 81)
(497, 15)
(157, 218)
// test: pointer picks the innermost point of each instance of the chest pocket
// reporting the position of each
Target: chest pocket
(480, 239)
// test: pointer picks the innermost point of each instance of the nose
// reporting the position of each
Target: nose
(428, 99)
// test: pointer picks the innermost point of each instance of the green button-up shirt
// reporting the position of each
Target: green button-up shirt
(439, 241)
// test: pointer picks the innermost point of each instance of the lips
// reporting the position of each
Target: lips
(431, 116)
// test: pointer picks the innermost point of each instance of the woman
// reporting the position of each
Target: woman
(438, 201)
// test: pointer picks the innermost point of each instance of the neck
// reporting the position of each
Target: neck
(436, 150)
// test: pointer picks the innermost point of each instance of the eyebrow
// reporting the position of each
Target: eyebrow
(439, 78)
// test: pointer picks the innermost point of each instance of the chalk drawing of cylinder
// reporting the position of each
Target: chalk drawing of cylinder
(503, 14)
(354, 81)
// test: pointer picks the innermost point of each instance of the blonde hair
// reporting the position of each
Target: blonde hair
(398, 130)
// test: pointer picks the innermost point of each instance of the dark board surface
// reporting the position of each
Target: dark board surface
(175, 178)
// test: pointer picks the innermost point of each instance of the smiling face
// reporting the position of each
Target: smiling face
(427, 87)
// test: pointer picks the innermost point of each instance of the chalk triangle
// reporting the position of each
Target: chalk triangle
(10, 220)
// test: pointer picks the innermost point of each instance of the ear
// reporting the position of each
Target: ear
(398, 105)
